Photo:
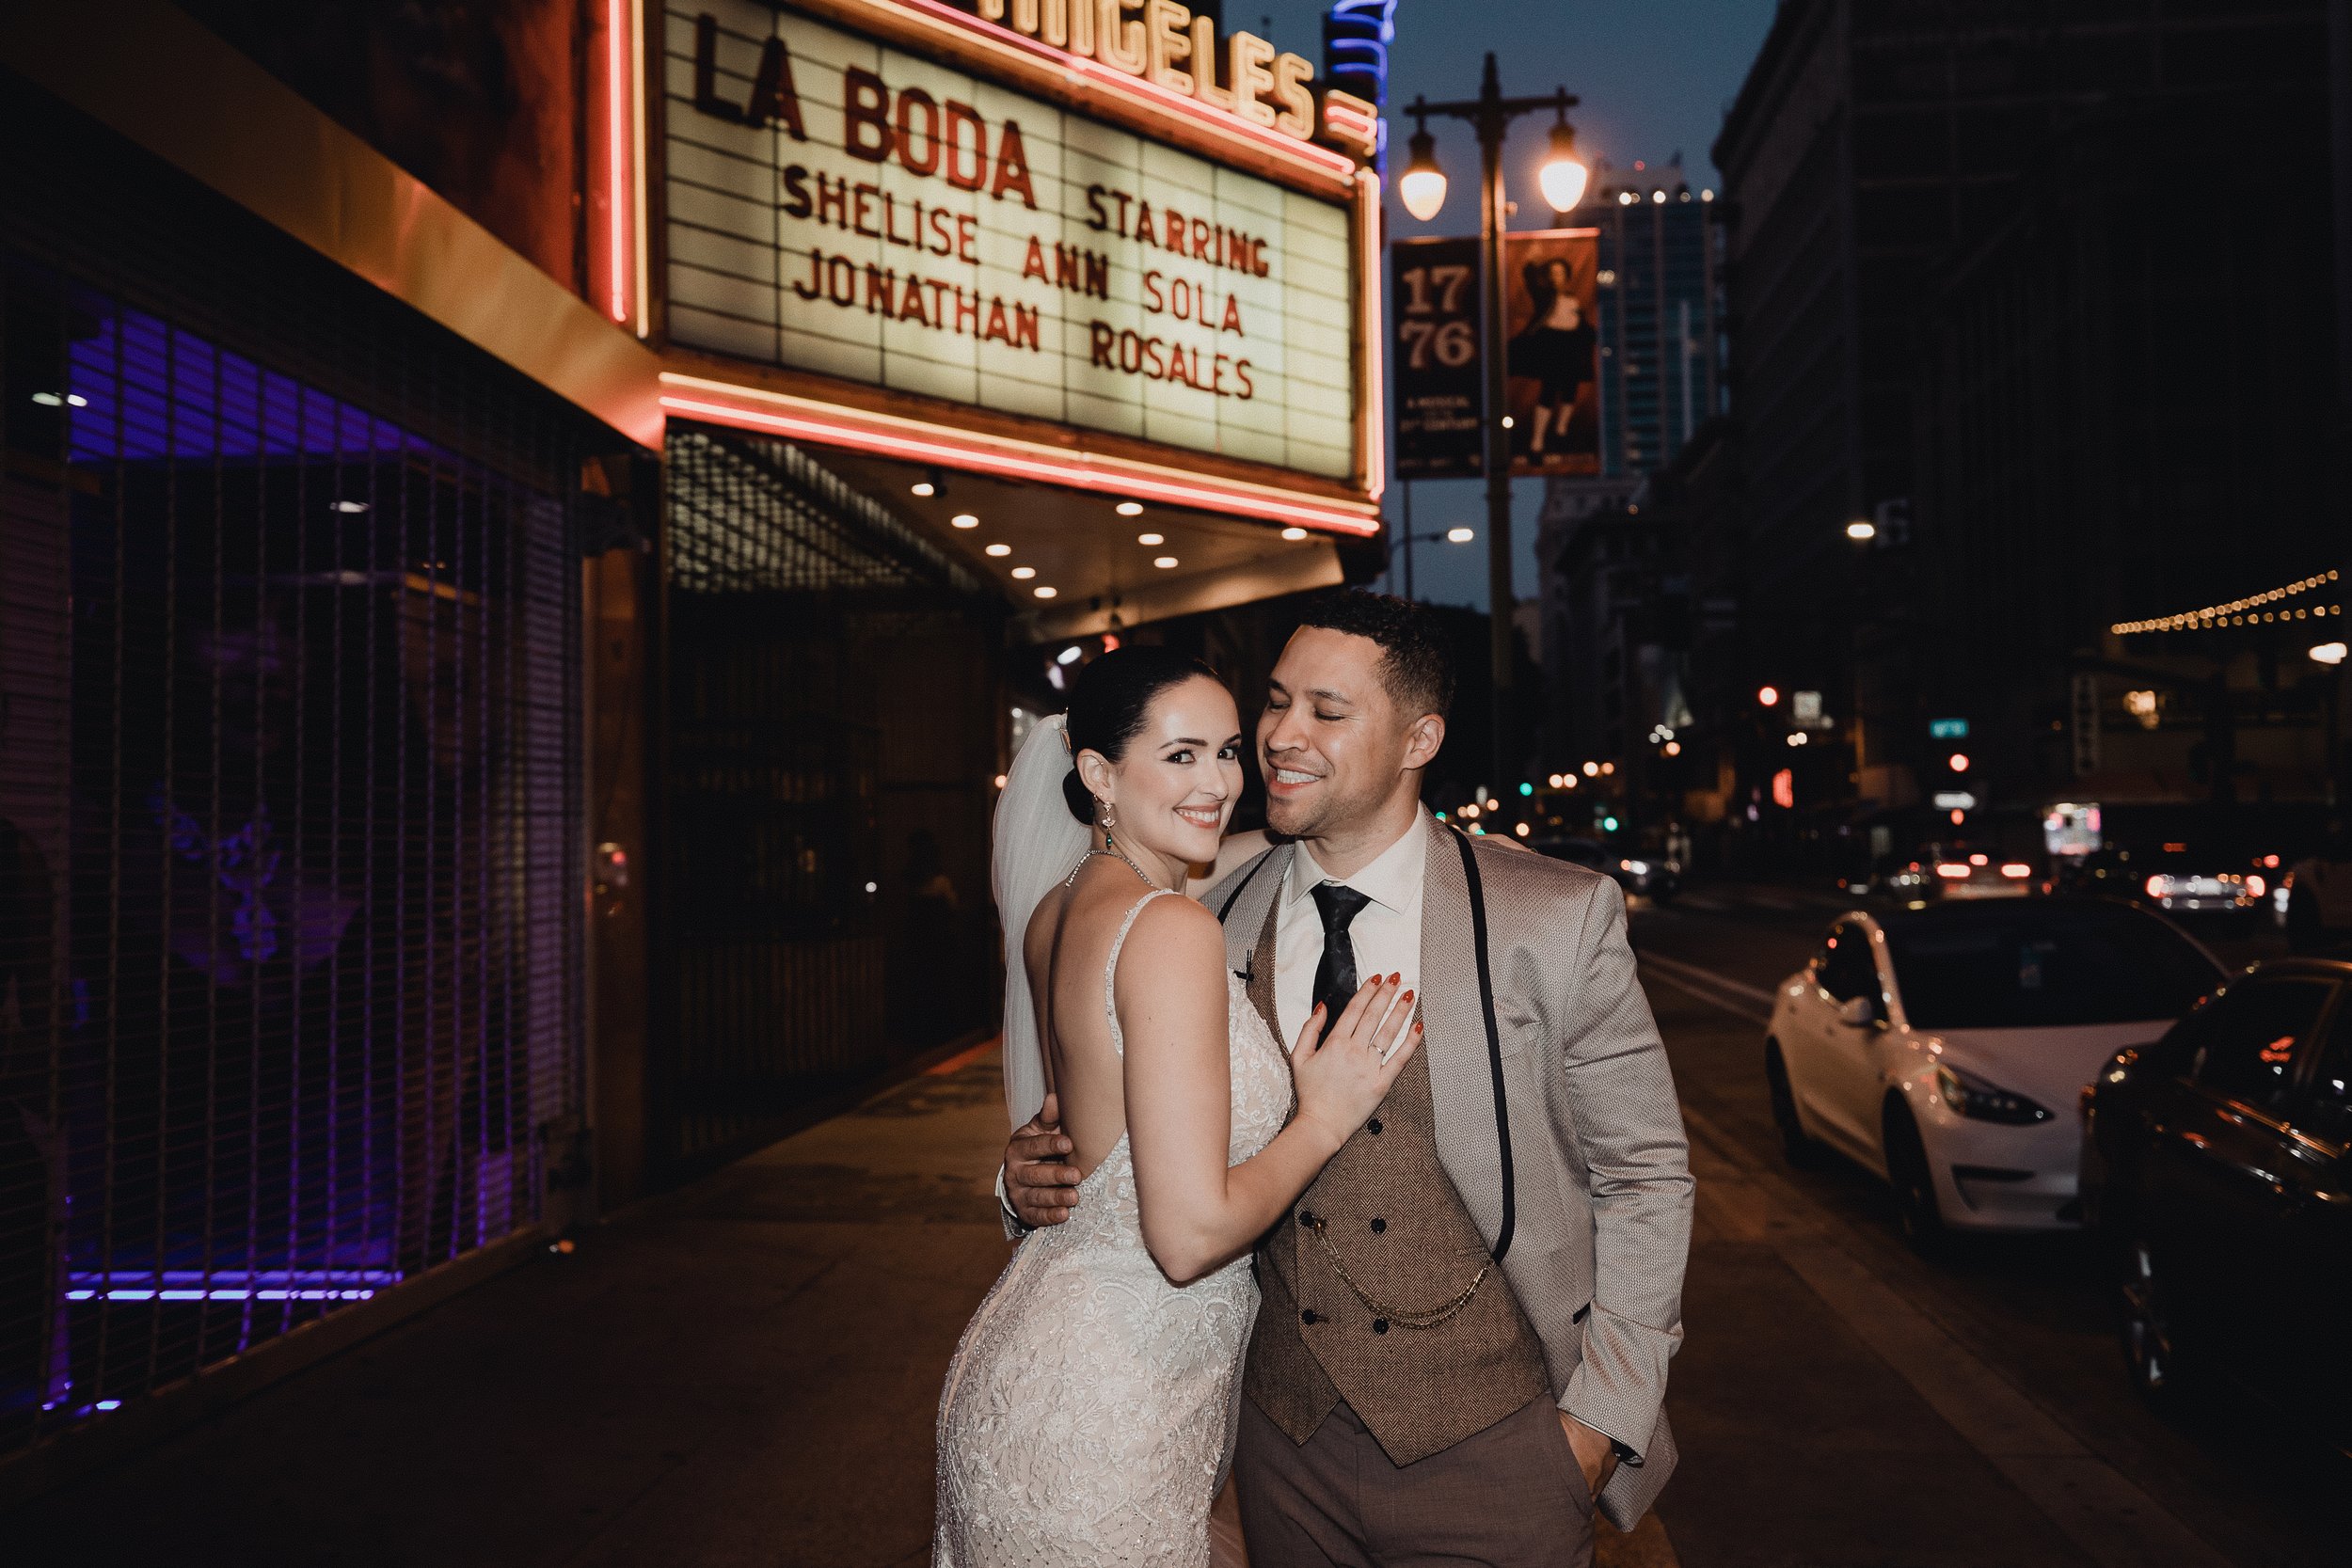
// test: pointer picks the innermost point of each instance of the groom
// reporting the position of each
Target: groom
(1468, 1318)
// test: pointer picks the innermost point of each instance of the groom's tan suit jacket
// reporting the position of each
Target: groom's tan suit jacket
(1600, 1169)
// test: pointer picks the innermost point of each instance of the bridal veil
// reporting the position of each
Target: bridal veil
(1037, 842)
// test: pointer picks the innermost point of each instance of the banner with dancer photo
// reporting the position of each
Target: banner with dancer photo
(1553, 357)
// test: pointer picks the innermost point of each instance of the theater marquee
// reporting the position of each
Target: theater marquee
(939, 239)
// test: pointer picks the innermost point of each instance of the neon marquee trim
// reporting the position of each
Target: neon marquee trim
(618, 121)
(1318, 160)
(883, 435)
(638, 210)
(1368, 218)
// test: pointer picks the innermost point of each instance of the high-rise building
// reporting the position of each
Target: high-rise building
(1660, 312)
(1661, 380)
(1997, 293)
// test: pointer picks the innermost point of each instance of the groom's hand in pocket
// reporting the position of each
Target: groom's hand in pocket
(1040, 1186)
(1596, 1454)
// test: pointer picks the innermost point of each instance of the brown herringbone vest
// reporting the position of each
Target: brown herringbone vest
(1388, 1210)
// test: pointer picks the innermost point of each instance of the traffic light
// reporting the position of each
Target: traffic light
(1953, 798)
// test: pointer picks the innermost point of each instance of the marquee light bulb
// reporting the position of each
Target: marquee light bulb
(1294, 534)
(1151, 538)
(1130, 509)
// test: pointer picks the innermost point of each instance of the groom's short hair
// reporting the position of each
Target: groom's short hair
(1416, 665)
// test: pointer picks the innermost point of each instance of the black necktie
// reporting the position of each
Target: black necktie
(1335, 975)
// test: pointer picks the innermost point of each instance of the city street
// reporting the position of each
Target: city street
(1841, 1401)
(745, 1371)
(571, 575)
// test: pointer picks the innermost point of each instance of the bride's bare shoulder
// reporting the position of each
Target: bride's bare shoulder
(1172, 940)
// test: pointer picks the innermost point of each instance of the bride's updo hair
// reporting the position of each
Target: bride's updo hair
(1108, 705)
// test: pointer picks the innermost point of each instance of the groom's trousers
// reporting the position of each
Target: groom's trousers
(1510, 1497)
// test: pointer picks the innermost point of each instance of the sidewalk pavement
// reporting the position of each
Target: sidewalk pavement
(744, 1372)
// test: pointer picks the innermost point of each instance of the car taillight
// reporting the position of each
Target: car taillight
(2156, 886)
(2255, 887)
(2017, 870)
(1953, 871)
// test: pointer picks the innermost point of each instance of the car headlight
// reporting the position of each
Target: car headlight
(1978, 1101)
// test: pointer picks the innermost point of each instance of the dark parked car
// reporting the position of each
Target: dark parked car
(2216, 1163)
(1636, 872)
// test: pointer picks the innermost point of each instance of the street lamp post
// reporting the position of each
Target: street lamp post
(1422, 189)
(1449, 536)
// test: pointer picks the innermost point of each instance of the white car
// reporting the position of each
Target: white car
(2314, 897)
(1946, 1048)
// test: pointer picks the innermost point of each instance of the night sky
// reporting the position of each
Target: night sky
(1655, 77)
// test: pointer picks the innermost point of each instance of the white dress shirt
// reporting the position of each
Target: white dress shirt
(1386, 932)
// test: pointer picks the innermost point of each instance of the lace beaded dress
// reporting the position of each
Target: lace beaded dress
(1089, 1410)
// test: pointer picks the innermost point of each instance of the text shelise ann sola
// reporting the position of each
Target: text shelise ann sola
(953, 142)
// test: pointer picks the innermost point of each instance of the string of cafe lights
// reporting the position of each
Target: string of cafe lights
(2247, 611)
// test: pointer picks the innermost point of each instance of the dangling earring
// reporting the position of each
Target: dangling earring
(1103, 810)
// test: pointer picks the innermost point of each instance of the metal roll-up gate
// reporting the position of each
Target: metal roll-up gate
(290, 926)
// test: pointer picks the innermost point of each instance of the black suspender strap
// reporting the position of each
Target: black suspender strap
(1494, 1037)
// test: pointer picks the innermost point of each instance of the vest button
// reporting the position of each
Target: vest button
(1378, 1225)
(1373, 1126)
(1379, 1325)
(1307, 1218)
(1308, 1316)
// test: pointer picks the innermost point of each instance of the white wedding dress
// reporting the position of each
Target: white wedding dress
(1089, 1413)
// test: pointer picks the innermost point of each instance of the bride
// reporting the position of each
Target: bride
(1088, 1414)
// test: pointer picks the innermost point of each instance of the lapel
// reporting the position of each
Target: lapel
(1249, 933)
(1260, 982)
(1461, 1082)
